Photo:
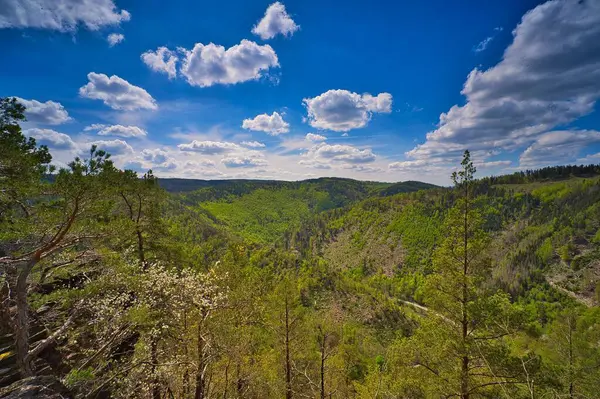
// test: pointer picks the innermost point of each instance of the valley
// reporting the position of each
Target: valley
(119, 285)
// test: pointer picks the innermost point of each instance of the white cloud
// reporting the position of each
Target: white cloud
(63, 15)
(52, 139)
(557, 147)
(162, 60)
(200, 168)
(94, 126)
(122, 131)
(156, 156)
(117, 93)
(252, 144)
(114, 147)
(381, 103)
(492, 164)
(209, 147)
(201, 163)
(406, 165)
(270, 124)
(314, 164)
(243, 162)
(115, 38)
(342, 110)
(483, 44)
(341, 153)
(315, 137)
(548, 77)
(166, 166)
(48, 113)
(364, 168)
(207, 65)
(589, 159)
(276, 21)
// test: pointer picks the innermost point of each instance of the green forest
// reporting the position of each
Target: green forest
(116, 285)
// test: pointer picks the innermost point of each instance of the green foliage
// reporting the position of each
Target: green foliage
(77, 378)
(418, 228)
(263, 216)
(545, 251)
(22, 162)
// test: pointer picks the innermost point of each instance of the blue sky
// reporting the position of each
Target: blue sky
(374, 90)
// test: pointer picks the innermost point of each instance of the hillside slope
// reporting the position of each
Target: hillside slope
(544, 233)
(265, 211)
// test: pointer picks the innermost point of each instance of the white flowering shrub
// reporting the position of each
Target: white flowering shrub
(157, 310)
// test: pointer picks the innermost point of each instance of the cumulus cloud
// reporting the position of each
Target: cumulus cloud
(422, 166)
(341, 153)
(210, 64)
(162, 60)
(166, 166)
(270, 124)
(115, 38)
(201, 163)
(114, 147)
(252, 144)
(589, 159)
(548, 77)
(557, 147)
(156, 156)
(201, 168)
(342, 110)
(314, 164)
(94, 126)
(364, 168)
(209, 147)
(315, 137)
(404, 166)
(64, 15)
(48, 113)
(492, 164)
(122, 131)
(52, 139)
(380, 103)
(117, 93)
(276, 21)
(243, 162)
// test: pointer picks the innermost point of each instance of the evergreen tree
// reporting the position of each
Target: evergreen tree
(459, 349)
(573, 349)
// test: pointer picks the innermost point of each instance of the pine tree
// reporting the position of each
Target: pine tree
(573, 347)
(459, 349)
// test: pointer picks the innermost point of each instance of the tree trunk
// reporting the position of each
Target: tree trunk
(288, 367)
(141, 248)
(464, 380)
(570, 340)
(226, 381)
(200, 382)
(21, 325)
(323, 358)
(240, 382)
(154, 360)
(186, 373)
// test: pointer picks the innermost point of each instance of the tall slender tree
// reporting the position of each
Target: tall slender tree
(459, 350)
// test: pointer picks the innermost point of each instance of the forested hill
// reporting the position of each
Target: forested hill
(352, 188)
(266, 211)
